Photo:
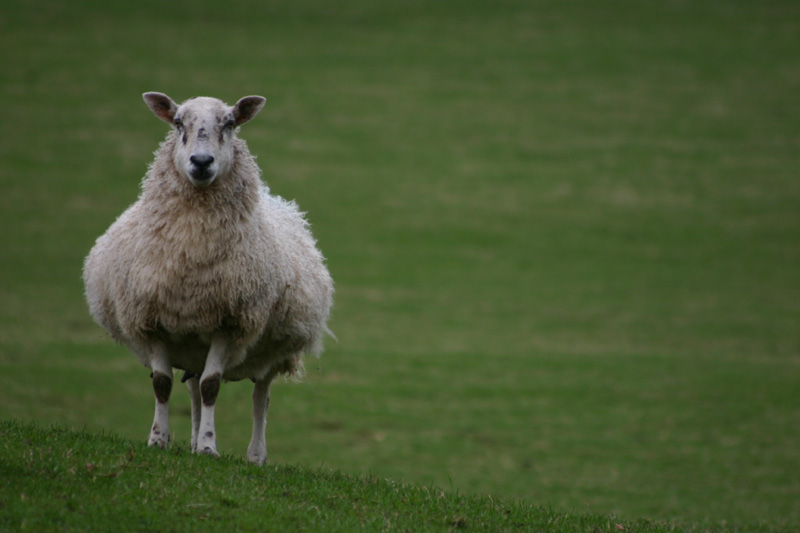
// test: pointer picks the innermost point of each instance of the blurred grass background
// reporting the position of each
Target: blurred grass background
(565, 235)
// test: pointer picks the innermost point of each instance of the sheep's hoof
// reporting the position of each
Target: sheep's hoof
(208, 450)
(158, 441)
(158, 438)
(257, 460)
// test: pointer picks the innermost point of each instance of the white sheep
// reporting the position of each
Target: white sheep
(209, 273)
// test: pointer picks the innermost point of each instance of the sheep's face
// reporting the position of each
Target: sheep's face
(205, 129)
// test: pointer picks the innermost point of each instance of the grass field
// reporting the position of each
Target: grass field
(565, 236)
(56, 480)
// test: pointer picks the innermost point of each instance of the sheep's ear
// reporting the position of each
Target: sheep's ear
(247, 108)
(161, 105)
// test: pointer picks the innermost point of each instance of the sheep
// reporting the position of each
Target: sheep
(209, 273)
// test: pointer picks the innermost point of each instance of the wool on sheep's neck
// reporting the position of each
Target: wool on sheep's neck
(197, 225)
(186, 214)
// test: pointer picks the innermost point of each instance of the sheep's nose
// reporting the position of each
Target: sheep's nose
(202, 161)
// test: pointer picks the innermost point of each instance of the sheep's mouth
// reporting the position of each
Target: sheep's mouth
(202, 177)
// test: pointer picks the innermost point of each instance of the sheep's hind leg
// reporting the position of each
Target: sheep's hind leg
(193, 382)
(257, 451)
(210, 382)
(162, 387)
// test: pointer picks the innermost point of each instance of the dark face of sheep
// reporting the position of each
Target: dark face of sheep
(205, 130)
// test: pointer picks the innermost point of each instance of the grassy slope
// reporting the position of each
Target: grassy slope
(57, 480)
(564, 236)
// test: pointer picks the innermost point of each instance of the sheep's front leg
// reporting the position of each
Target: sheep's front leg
(257, 451)
(210, 381)
(162, 386)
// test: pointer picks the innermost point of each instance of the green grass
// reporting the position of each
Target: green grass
(58, 480)
(564, 236)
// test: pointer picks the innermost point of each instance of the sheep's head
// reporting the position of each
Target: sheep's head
(205, 130)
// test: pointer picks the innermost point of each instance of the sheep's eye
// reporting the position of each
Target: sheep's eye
(178, 123)
(229, 125)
